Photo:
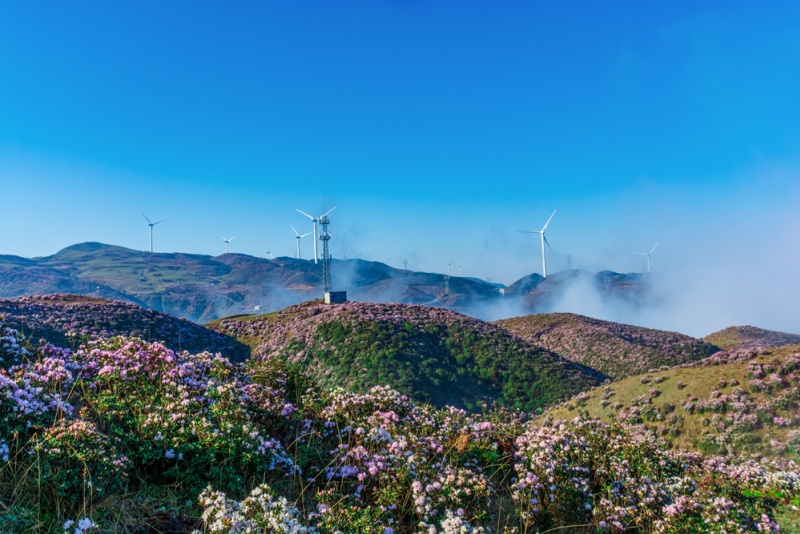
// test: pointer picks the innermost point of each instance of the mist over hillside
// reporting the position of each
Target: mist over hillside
(203, 288)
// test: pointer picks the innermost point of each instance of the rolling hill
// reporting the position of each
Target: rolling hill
(430, 354)
(750, 337)
(66, 320)
(615, 349)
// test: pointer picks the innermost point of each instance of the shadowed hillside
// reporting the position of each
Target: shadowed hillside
(427, 353)
(66, 320)
(615, 349)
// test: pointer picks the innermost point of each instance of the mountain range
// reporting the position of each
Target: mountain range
(203, 288)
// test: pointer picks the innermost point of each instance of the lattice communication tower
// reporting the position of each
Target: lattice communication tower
(325, 220)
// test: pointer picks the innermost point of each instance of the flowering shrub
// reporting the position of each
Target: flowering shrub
(78, 464)
(119, 420)
(261, 511)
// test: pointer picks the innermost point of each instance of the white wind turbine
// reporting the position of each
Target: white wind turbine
(299, 237)
(459, 268)
(151, 224)
(648, 254)
(269, 255)
(227, 240)
(314, 220)
(544, 240)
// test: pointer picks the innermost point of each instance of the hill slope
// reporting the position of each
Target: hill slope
(750, 337)
(615, 349)
(428, 353)
(64, 320)
(740, 402)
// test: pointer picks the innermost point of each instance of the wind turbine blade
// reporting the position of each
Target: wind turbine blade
(328, 212)
(159, 222)
(295, 231)
(546, 242)
(654, 247)
(304, 235)
(548, 220)
(223, 237)
(306, 214)
(145, 216)
(529, 231)
(231, 239)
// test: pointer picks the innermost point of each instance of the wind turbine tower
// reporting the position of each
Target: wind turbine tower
(227, 240)
(314, 221)
(151, 224)
(298, 237)
(544, 241)
(648, 254)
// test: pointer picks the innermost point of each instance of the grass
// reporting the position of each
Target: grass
(698, 382)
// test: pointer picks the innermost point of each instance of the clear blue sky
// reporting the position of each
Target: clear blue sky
(437, 128)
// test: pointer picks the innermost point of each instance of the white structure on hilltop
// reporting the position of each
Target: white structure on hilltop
(151, 225)
(227, 240)
(544, 241)
(298, 238)
(648, 254)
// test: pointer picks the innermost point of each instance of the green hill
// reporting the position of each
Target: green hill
(430, 354)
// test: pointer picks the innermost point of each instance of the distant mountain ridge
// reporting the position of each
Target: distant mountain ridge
(203, 288)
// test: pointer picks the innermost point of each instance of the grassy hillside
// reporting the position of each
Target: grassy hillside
(740, 402)
(430, 354)
(615, 349)
(748, 337)
(67, 320)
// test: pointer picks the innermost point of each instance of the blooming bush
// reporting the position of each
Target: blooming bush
(261, 511)
(91, 436)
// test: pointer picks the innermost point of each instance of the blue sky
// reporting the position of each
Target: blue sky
(437, 128)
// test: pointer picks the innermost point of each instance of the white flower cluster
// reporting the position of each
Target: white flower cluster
(80, 527)
(260, 512)
(454, 523)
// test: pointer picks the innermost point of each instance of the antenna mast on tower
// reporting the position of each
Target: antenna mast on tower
(324, 221)
(331, 297)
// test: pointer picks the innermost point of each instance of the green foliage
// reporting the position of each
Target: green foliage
(438, 363)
